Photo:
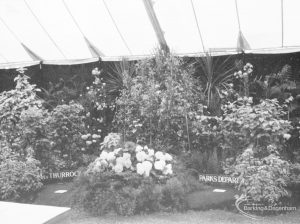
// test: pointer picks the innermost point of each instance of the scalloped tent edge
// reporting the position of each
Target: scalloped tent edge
(101, 30)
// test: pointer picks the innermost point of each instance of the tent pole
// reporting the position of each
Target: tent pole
(282, 25)
(156, 25)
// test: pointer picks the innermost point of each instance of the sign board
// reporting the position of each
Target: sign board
(215, 178)
(59, 175)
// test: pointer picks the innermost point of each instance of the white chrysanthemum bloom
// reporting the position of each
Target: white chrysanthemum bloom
(118, 168)
(141, 156)
(96, 136)
(127, 163)
(138, 148)
(147, 167)
(111, 156)
(126, 155)
(97, 163)
(160, 164)
(151, 152)
(104, 163)
(96, 169)
(103, 155)
(168, 157)
(120, 160)
(150, 158)
(159, 155)
(168, 169)
(84, 137)
(140, 169)
(286, 136)
(146, 147)
(89, 142)
(116, 151)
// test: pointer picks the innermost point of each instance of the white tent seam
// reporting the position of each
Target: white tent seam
(45, 30)
(117, 28)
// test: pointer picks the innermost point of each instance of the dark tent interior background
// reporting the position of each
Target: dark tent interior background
(60, 43)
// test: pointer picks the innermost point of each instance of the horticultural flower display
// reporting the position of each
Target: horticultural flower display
(136, 137)
(142, 160)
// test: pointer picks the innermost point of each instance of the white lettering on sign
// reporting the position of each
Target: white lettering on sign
(60, 175)
(218, 179)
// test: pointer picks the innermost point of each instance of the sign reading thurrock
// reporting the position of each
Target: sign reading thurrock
(60, 175)
(218, 179)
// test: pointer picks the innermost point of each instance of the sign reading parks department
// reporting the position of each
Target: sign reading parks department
(211, 178)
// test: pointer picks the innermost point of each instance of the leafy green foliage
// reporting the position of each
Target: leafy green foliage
(129, 179)
(19, 171)
(276, 85)
(55, 136)
(127, 194)
(63, 92)
(12, 104)
(216, 75)
(261, 179)
(99, 106)
(111, 141)
(64, 127)
(254, 138)
(259, 125)
(156, 105)
(19, 177)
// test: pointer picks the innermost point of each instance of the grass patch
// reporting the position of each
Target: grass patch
(207, 199)
(191, 217)
(47, 196)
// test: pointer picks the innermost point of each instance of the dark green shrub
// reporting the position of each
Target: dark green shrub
(128, 194)
(100, 191)
(19, 176)
(12, 104)
(126, 180)
(129, 179)
(157, 105)
(174, 195)
(261, 179)
(255, 135)
(55, 137)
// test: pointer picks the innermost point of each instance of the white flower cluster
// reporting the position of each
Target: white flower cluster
(247, 70)
(143, 160)
(286, 136)
(147, 159)
(90, 139)
(96, 71)
(116, 160)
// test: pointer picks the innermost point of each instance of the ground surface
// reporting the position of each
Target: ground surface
(191, 217)
(48, 197)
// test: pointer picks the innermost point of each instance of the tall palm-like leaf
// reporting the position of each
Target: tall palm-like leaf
(118, 75)
(216, 75)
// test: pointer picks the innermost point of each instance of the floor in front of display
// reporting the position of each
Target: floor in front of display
(64, 191)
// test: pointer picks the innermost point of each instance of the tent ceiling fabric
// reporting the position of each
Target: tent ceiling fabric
(57, 31)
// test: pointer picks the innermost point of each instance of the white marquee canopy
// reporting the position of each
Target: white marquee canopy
(81, 31)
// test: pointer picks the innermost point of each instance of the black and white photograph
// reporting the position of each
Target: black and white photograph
(149, 111)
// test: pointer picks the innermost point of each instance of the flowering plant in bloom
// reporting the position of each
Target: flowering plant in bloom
(247, 70)
(142, 160)
(98, 92)
(90, 138)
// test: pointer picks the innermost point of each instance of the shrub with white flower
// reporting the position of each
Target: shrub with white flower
(91, 138)
(143, 160)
